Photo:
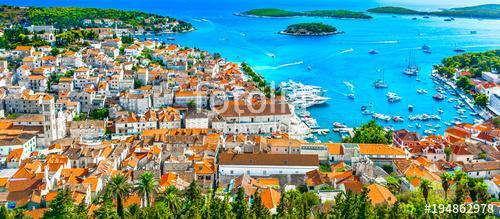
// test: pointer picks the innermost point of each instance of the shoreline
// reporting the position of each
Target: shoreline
(437, 15)
(316, 34)
(298, 16)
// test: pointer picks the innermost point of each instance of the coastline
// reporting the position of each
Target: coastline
(315, 34)
(262, 16)
(298, 16)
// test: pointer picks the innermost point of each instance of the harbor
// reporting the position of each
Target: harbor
(328, 62)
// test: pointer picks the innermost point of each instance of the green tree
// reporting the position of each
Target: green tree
(464, 83)
(137, 83)
(481, 100)
(191, 105)
(193, 200)
(146, 186)
(106, 209)
(370, 133)
(19, 213)
(5, 213)
(425, 186)
(134, 211)
(100, 113)
(257, 209)
(447, 152)
(496, 121)
(445, 183)
(240, 205)
(119, 189)
(62, 206)
(171, 197)
(394, 184)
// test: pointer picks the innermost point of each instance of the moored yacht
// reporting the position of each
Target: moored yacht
(411, 69)
(393, 97)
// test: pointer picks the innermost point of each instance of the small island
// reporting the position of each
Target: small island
(310, 29)
(279, 13)
(489, 11)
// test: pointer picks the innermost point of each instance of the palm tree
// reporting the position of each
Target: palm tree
(394, 184)
(425, 185)
(120, 189)
(445, 183)
(171, 198)
(145, 186)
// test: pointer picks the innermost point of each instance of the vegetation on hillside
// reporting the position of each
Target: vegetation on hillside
(475, 63)
(20, 36)
(370, 132)
(392, 10)
(336, 14)
(274, 12)
(71, 36)
(480, 11)
(192, 203)
(259, 80)
(71, 17)
(271, 12)
(310, 29)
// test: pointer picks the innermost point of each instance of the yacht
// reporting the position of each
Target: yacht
(421, 91)
(380, 83)
(373, 52)
(439, 96)
(425, 46)
(458, 49)
(411, 69)
(428, 132)
(297, 87)
(351, 96)
(393, 97)
(305, 101)
(170, 38)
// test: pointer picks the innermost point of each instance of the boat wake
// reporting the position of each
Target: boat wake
(197, 20)
(272, 55)
(206, 20)
(279, 66)
(349, 85)
(347, 51)
(386, 42)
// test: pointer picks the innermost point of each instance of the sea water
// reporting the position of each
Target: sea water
(339, 63)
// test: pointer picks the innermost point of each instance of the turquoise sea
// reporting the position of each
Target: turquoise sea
(336, 61)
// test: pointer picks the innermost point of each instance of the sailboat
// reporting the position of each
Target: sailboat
(380, 83)
(411, 69)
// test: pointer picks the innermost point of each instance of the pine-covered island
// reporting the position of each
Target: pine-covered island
(488, 11)
(310, 29)
(280, 13)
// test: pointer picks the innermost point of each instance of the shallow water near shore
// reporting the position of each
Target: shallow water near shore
(336, 61)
